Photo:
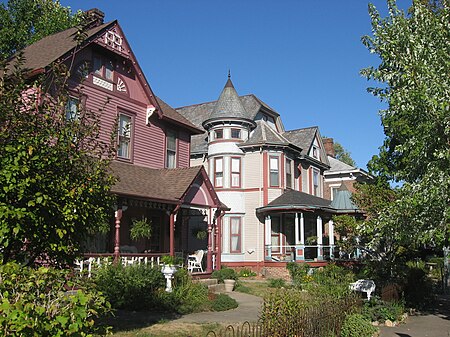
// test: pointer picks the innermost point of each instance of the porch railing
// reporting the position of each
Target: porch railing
(287, 253)
(91, 261)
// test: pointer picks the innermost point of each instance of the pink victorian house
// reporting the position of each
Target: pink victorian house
(155, 180)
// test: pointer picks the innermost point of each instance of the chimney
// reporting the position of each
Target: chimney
(94, 17)
(329, 148)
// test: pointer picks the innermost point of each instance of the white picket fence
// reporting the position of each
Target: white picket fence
(87, 265)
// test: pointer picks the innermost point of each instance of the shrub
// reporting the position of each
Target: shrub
(246, 273)
(330, 281)
(132, 287)
(299, 273)
(187, 296)
(223, 302)
(356, 325)
(378, 310)
(45, 302)
(276, 283)
(224, 274)
(418, 287)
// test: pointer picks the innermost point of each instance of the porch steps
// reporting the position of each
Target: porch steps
(212, 285)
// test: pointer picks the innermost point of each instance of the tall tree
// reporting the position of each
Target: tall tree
(343, 155)
(414, 49)
(54, 175)
(23, 22)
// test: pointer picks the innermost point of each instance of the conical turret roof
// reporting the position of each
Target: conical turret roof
(229, 104)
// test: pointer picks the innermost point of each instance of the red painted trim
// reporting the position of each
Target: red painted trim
(265, 179)
(281, 168)
(231, 172)
(300, 180)
(226, 140)
(310, 180)
(172, 235)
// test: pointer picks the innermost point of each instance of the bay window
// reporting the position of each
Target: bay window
(235, 235)
(274, 171)
(218, 172)
(235, 172)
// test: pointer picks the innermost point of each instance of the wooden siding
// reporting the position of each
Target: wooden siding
(252, 170)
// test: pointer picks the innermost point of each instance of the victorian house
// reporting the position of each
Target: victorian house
(272, 180)
(155, 179)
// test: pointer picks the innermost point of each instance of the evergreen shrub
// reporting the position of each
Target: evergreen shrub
(356, 325)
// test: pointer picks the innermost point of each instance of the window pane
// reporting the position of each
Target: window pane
(109, 71)
(98, 66)
(170, 159)
(235, 222)
(72, 109)
(219, 134)
(124, 126)
(273, 178)
(235, 133)
(219, 166)
(235, 243)
(235, 164)
(124, 148)
(274, 163)
(171, 141)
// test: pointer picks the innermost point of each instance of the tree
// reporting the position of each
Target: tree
(343, 155)
(414, 72)
(54, 170)
(23, 22)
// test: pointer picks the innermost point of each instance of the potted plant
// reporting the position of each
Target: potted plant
(141, 229)
(200, 234)
(168, 269)
(227, 276)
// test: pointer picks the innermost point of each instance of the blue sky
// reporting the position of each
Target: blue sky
(301, 57)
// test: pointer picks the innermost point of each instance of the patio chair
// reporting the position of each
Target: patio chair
(194, 261)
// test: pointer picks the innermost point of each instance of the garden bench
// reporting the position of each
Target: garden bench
(365, 286)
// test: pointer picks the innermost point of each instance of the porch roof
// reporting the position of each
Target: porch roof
(295, 200)
(168, 185)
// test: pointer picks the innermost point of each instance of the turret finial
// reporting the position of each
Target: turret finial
(229, 74)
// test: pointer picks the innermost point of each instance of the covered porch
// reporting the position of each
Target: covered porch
(298, 227)
(177, 204)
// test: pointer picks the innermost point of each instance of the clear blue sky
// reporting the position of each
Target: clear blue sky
(300, 57)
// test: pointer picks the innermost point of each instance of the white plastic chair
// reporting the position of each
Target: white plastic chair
(195, 261)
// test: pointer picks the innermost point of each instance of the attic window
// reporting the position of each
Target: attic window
(315, 152)
(236, 133)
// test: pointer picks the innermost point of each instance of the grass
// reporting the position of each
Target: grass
(169, 329)
(260, 289)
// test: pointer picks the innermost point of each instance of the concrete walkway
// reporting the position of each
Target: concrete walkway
(248, 310)
(432, 323)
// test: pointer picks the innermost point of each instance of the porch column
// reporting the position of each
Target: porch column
(118, 217)
(172, 234)
(209, 253)
(268, 237)
(300, 241)
(331, 237)
(218, 241)
(319, 238)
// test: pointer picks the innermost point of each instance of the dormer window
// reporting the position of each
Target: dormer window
(315, 152)
(218, 134)
(236, 133)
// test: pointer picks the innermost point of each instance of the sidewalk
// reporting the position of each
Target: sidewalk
(248, 310)
(432, 323)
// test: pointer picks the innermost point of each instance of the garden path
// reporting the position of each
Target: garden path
(434, 322)
(248, 310)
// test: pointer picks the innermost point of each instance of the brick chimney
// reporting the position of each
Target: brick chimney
(329, 148)
(94, 17)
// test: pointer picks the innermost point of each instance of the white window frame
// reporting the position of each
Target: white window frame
(125, 132)
(171, 152)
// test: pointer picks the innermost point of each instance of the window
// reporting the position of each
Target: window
(103, 68)
(124, 149)
(316, 189)
(288, 173)
(72, 109)
(315, 152)
(235, 234)
(171, 149)
(334, 191)
(235, 172)
(275, 235)
(218, 172)
(236, 133)
(274, 172)
(218, 134)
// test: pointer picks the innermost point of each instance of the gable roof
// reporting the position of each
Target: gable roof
(303, 138)
(264, 134)
(42, 53)
(56, 47)
(155, 184)
(172, 115)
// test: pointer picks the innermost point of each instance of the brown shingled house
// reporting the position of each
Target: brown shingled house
(155, 180)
